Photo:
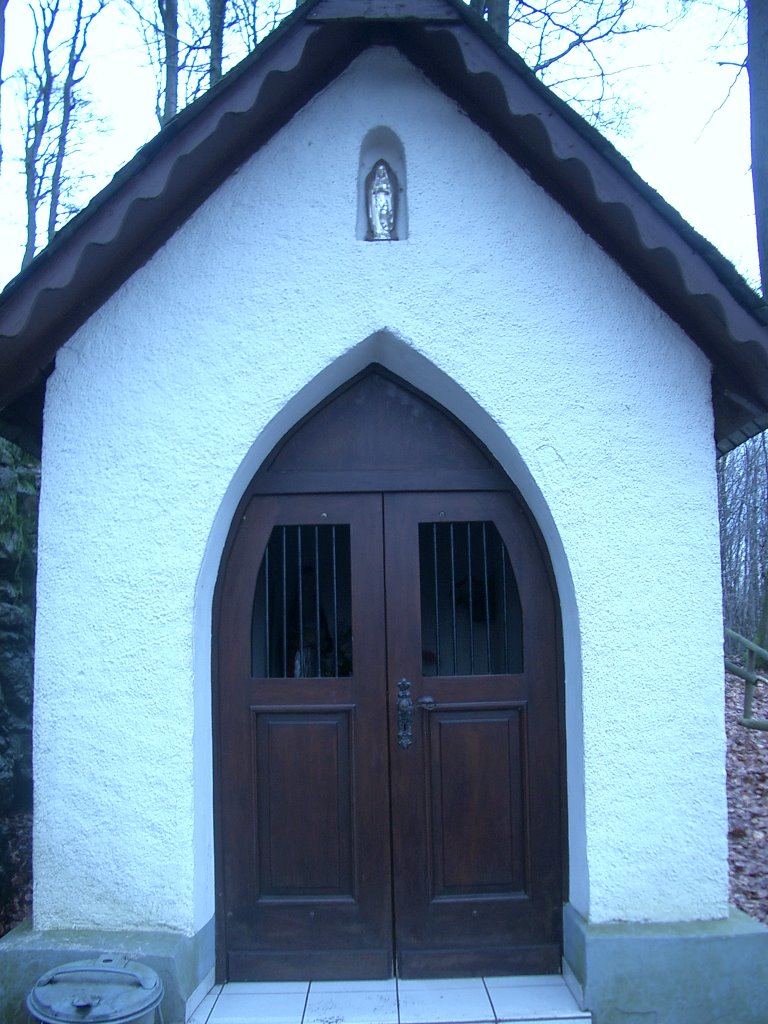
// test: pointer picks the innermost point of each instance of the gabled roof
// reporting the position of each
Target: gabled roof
(178, 169)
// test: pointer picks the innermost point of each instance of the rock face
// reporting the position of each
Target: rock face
(19, 483)
(19, 478)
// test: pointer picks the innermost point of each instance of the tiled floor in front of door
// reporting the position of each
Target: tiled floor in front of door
(543, 999)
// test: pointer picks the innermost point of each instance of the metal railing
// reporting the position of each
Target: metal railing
(752, 679)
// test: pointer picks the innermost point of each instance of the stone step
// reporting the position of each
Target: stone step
(538, 999)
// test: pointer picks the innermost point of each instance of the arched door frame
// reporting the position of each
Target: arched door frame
(387, 350)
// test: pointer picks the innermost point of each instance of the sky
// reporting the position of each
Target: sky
(689, 135)
(687, 132)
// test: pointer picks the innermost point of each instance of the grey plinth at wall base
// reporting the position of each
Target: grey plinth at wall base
(185, 963)
(693, 972)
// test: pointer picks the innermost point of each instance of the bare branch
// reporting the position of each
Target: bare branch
(757, 62)
(51, 91)
(177, 42)
(73, 76)
(3, 7)
(39, 85)
(564, 42)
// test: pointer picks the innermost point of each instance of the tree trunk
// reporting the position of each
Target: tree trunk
(67, 101)
(169, 12)
(497, 13)
(757, 64)
(498, 18)
(3, 5)
(40, 87)
(216, 9)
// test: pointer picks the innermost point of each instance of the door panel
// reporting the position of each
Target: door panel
(343, 844)
(304, 800)
(321, 808)
(476, 832)
(476, 784)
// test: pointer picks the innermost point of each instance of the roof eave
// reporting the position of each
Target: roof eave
(176, 171)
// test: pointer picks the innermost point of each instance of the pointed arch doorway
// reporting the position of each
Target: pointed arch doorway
(387, 714)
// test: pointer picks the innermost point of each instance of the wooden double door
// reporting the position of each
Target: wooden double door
(389, 752)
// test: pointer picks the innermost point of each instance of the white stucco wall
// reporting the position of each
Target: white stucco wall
(163, 404)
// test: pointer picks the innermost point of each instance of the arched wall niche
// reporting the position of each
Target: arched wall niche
(381, 143)
(396, 356)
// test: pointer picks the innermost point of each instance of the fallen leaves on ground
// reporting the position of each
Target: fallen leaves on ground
(747, 802)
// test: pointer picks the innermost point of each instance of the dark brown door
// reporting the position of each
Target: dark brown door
(389, 769)
(475, 796)
(304, 848)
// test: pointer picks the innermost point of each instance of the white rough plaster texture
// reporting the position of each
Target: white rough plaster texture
(163, 404)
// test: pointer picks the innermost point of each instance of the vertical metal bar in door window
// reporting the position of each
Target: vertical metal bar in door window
(453, 599)
(437, 597)
(335, 604)
(505, 624)
(318, 666)
(285, 608)
(470, 604)
(299, 661)
(267, 658)
(486, 599)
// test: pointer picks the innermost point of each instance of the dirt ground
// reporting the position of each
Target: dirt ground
(747, 803)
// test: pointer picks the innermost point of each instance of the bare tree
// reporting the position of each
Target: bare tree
(189, 43)
(249, 22)
(53, 103)
(755, 14)
(176, 40)
(216, 12)
(39, 83)
(497, 13)
(565, 43)
(743, 493)
(73, 74)
(3, 7)
(757, 66)
(743, 474)
(169, 19)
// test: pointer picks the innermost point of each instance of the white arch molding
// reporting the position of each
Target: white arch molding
(385, 348)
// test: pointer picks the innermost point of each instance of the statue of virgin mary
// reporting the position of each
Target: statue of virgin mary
(381, 203)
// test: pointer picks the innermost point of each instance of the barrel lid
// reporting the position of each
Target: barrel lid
(108, 988)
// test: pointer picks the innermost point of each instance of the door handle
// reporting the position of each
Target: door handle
(405, 706)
